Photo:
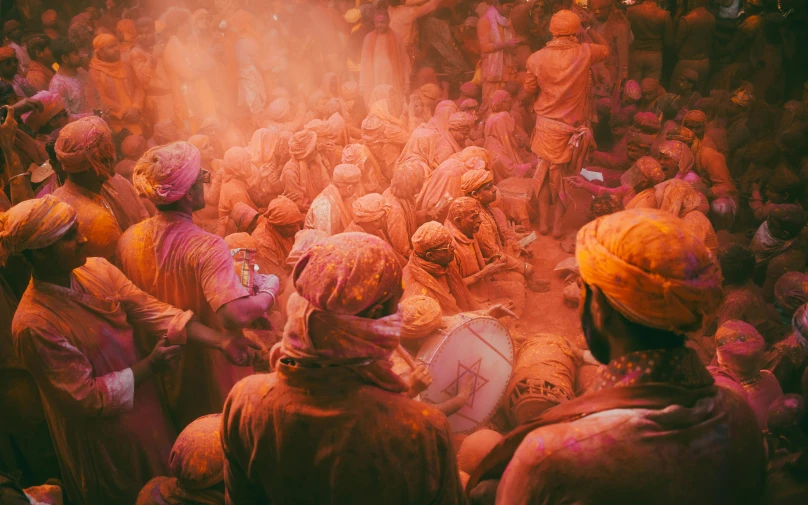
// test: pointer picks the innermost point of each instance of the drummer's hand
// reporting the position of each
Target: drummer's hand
(497, 311)
(465, 386)
(419, 380)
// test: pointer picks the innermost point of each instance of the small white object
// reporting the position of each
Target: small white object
(591, 176)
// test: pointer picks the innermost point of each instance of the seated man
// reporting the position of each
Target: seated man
(778, 246)
(431, 271)
(788, 359)
(331, 209)
(333, 418)
(370, 216)
(488, 280)
(646, 282)
(275, 236)
(494, 237)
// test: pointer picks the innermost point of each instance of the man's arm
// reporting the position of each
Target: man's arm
(18, 181)
(426, 8)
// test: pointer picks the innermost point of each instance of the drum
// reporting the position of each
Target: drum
(244, 261)
(476, 345)
(543, 377)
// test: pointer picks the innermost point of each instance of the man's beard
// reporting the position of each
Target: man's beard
(597, 342)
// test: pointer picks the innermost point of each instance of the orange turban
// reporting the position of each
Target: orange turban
(368, 208)
(302, 144)
(564, 22)
(7, 53)
(420, 316)
(304, 239)
(651, 269)
(474, 179)
(429, 236)
(34, 224)
(694, 117)
(84, 144)
(282, 212)
(103, 40)
(237, 164)
(197, 458)
(346, 174)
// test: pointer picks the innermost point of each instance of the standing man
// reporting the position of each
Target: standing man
(653, 428)
(384, 59)
(12, 30)
(560, 74)
(694, 43)
(71, 81)
(653, 30)
(330, 212)
(498, 42)
(403, 17)
(11, 74)
(119, 92)
(40, 71)
(179, 263)
(613, 25)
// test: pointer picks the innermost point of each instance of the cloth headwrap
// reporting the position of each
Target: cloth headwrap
(461, 121)
(499, 97)
(198, 14)
(243, 216)
(680, 152)
(49, 17)
(677, 197)
(354, 154)
(431, 235)
(430, 92)
(739, 349)
(564, 22)
(800, 324)
(283, 212)
(263, 145)
(475, 179)
(468, 104)
(368, 208)
(645, 169)
(236, 164)
(470, 89)
(372, 130)
(84, 144)
(349, 90)
(472, 152)
(164, 174)
(34, 224)
(639, 139)
(302, 144)
(133, 145)
(7, 53)
(52, 103)
(347, 174)
(682, 134)
(199, 141)
(420, 316)
(103, 40)
(694, 117)
(353, 16)
(279, 110)
(633, 90)
(791, 291)
(651, 269)
(647, 122)
(331, 284)
(743, 96)
(304, 239)
(197, 457)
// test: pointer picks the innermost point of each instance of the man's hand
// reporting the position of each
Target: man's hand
(576, 182)
(8, 130)
(497, 311)
(419, 380)
(267, 283)
(238, 350)
(465, 386)
(163, 356)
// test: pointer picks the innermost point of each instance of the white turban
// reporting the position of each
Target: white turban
(164, 174)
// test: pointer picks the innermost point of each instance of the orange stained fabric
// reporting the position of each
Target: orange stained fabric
(680, 199)
(420, 316)
(501, 143)
(181, 264)
(117, 87)
(328, 212)
(34, 224)
(651, 268)
(384, 61)
(78, 343)
(85, 144)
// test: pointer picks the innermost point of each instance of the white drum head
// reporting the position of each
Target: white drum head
(481, 347)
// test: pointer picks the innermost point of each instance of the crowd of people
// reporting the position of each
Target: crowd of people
(227, 228)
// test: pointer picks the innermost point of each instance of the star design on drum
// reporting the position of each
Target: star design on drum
(479, 381)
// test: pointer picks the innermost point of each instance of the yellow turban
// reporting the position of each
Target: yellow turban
(164, 174)
(104, 40)
(34, 224)
(651, 269)
(475, 179)
(420, 316)
(564, 22)
(369, 208)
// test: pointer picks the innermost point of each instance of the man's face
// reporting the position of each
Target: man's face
(595, 339)
(669, 165)
(601, 12)
(145, 35)
(72, 60)
(506, 105)
(9, 68)
(207, 153)
(203, 23)
(14, 34)
(649, 93)
(381, 23)
(442, 255)
(697, 128)
(67, 253)
(59, 120)
(197, 192)
(635, 152)
(685, 84)
(110, 53)
(469, 224)
(504, 7)
(46, 56)
(346, 190)
(459, 135)
(288, 230)
(376, 225)
(110, 4)
(487, 193)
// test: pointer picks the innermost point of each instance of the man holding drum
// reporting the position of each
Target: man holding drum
(648, 431)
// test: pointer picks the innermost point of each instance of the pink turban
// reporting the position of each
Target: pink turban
(499, 97)
(633, 90)
(84, 144)
(564, 22)
(164, 174)
(236, 164)
(283, 212)
(346, 174)
(461, 121)
(739, 349)
(369, 208)
(34, 224)
(103, 40)
(53, 105)
(470, 89)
